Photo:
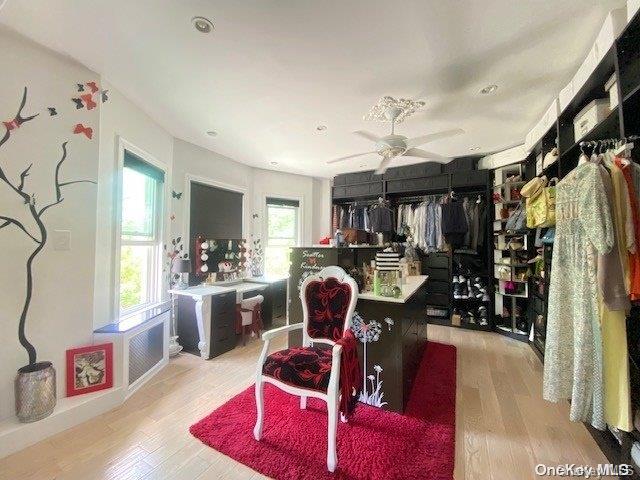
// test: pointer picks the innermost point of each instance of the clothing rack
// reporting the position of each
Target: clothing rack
(610, 142)
(420, 198)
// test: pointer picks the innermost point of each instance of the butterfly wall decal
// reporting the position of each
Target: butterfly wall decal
(87, 98)
(80, 87)
(104, 95)
(52, 111)
(86, 131)
(176, 195)
(92, 85)
(79, 103)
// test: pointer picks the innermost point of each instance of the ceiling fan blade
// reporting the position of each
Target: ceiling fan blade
(417, 141)
(384, 164)
(368, 135)
(349, 156)
(417, 152)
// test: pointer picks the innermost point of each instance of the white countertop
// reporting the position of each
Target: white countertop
(200, 291)
(408, 289)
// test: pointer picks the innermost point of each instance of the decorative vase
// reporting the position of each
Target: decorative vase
(35, 390)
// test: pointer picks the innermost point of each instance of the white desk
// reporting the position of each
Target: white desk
(204, 297)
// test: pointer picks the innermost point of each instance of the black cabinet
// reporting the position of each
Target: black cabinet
(409, 185)
(426, 169)
(359, 190)
(469, 178)
(460, 163)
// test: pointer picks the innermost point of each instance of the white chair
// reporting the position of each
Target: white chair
(328, 302)
(251, 315)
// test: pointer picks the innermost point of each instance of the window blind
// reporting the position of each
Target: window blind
(136, 163)
(282, 202)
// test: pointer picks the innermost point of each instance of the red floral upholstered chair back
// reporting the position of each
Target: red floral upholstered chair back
(328, 302)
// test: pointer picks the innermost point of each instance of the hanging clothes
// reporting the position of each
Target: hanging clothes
(381, 219)
(467, 206)
(440, 243)
(622, 218)
(614, 305)
(634, 214)
(454, 222)
(573, 367)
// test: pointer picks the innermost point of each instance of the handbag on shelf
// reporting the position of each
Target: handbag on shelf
(541, 202)
(549, 236)
(517, 219)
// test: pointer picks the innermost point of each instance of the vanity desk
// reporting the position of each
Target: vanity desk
(206, 314)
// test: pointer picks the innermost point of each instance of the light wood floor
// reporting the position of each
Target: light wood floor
(504, 428)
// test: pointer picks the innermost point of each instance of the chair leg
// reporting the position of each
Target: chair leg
(257, 430)
(244, 335)
(303, 403)
(332, 429)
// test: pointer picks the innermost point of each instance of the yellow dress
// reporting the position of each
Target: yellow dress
(615, 362)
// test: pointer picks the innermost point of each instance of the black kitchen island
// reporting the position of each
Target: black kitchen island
(392, 332)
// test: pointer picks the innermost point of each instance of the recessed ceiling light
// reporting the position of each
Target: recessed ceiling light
(489, 89)
(273, 163)
(203, 25)
(474, 149)
(212, 133)
(321, 128)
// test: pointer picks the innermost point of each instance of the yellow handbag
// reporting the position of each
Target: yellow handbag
(541, 202)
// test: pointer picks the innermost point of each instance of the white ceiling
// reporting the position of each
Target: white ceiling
(273, 70)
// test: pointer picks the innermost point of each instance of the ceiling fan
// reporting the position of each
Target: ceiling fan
(392, 146)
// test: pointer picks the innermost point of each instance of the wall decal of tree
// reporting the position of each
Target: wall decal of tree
(39, 238)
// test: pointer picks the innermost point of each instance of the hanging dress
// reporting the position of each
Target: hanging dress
(573, 352)
(614, 305)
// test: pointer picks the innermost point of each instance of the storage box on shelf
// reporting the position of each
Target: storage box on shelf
(590, 116)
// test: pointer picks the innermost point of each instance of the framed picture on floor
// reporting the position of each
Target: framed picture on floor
(89, 369)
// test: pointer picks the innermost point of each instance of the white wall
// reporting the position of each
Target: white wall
(321, 212)
(257, 184)
(267, 183)
(61, 314)
(74, 289)
(207, 166)
(120, 118)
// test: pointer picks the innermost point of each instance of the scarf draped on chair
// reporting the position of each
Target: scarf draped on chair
(350, 373)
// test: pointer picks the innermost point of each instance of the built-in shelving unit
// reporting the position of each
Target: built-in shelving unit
(414, 183)
(622, 61)
(511, 251)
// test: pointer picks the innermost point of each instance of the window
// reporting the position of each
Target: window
(140, 250)
(282, 234)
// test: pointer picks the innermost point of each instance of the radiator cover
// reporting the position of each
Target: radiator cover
(145, 351)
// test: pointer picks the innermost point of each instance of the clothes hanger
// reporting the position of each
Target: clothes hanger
(624, 150)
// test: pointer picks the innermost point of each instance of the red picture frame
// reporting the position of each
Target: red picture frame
(89, 369)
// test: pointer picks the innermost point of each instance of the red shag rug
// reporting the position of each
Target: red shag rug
(374, 444)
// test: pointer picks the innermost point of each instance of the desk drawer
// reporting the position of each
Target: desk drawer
(435, 260)
(438, 299)
(438, 286)
(440, 274)
(223, 303)
(223, 326)
(223, 346)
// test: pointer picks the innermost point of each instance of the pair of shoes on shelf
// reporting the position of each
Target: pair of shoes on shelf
(483, 316)
(460, 287)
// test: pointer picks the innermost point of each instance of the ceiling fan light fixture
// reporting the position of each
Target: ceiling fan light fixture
(489, 89)
(393, 110)
(202, 24)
